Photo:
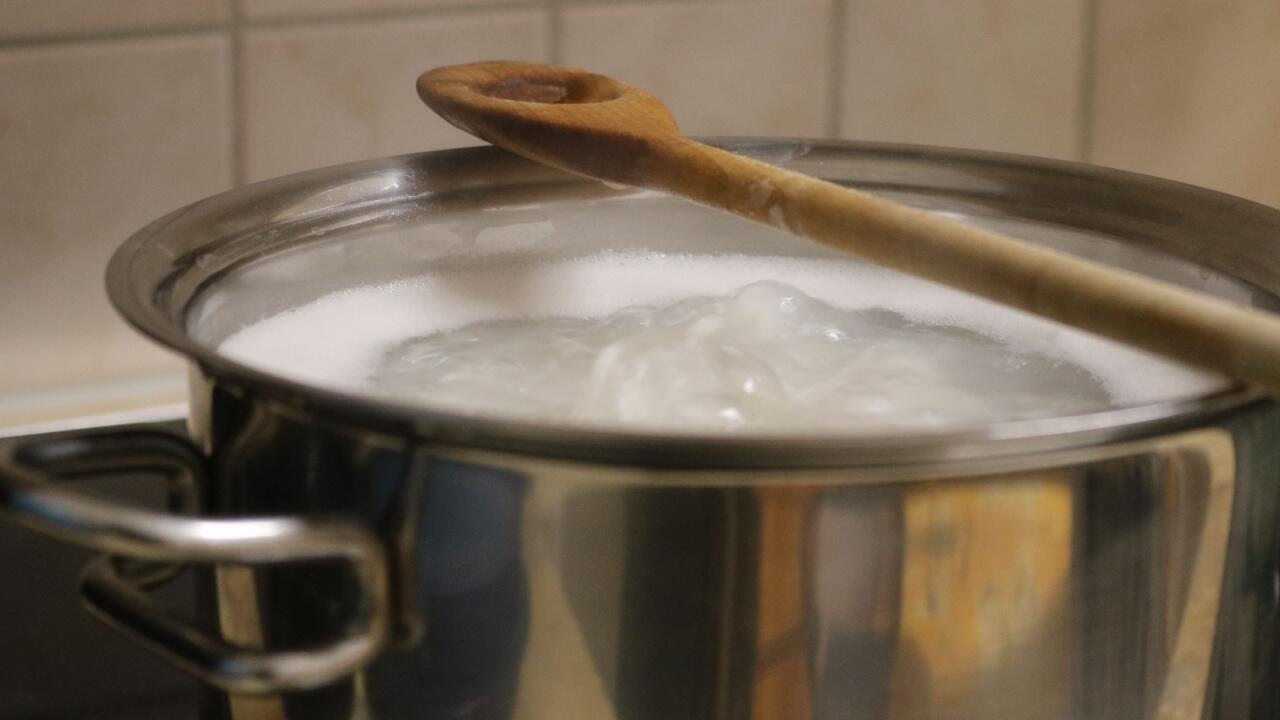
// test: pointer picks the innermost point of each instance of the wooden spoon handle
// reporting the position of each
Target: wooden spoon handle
(1198, 329)
(599, 127)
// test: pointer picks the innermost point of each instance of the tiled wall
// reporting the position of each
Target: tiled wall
(115, 111)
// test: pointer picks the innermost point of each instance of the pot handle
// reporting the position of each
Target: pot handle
(113, 585)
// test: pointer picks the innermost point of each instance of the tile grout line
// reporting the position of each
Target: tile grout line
(239, 22)
(555, 31)
(1088, 82)
(150, 33)
(835, 69)
(387, 14)
(239, 152)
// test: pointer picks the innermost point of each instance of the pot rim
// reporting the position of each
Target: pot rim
(136, 302)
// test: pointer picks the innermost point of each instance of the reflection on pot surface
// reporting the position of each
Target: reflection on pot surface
(367, 555)
(1089, 588)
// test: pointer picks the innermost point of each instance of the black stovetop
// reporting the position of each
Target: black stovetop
(59, 663)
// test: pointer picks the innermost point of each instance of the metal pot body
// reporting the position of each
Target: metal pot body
(369, 559)
(1128, 580)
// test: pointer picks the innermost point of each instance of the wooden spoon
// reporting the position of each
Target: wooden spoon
(596, 126)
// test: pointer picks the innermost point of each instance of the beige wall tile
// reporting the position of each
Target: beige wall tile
(107, 137)
(734, 68)
(1190, 89)
(322, 95)
(263, 9)
(23, 18)
(992, 74)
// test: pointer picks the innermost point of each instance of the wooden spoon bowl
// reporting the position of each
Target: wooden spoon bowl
(550, 114)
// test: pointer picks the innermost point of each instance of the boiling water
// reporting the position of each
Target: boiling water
(705, 343)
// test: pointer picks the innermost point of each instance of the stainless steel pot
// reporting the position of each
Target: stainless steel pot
(365, 558)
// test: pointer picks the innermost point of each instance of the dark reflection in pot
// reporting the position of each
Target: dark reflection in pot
(470, 594)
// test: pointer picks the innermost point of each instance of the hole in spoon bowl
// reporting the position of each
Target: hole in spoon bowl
(525, 90)
(554, 91)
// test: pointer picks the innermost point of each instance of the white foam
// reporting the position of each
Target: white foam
(337, 341)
